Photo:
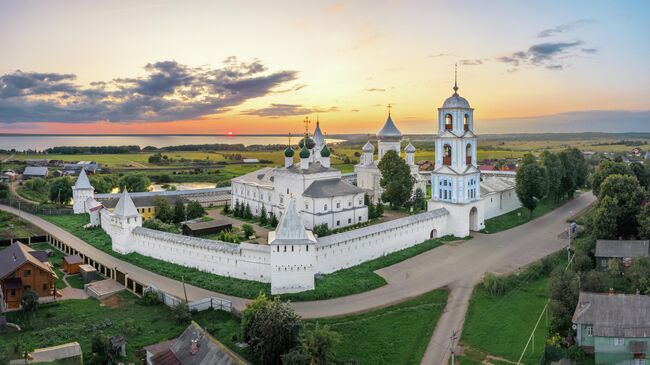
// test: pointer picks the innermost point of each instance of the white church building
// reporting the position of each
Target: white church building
(322, 197)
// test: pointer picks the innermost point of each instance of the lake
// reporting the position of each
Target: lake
(42, 142)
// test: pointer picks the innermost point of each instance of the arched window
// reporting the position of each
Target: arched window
(446, 159)
(448, 122)
(466, 122)
(468, 154)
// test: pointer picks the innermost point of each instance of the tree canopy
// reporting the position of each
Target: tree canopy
(134, 182)
(531, 182)
(60, 190)
(396, 179)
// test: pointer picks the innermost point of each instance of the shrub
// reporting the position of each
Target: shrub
(495, 285)
(149, 298)
(181, 313)
(322, 230)
(248, 230)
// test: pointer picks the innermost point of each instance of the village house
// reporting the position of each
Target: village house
(623, 250)
(146, 205)
(35, 171)
(22, 269)
(614, 327)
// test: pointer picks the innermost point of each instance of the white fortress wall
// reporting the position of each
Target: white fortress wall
(243, 261)
(343, 250)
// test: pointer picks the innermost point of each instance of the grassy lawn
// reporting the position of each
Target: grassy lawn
(398, 334)
(80, 320)
(500, 326)
(341, 283)
(12, 226)
(76, 281)
(37, 196)
(518, 216)
(56, 260)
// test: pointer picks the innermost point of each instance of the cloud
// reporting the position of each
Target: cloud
(440, 55)
(563, 28)
(375, 89)
(285, 110)
(589, 50)
(168, 91)
(355, 110)
(547, 55)
(474, 62)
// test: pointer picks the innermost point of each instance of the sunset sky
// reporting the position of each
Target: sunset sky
(261, 66)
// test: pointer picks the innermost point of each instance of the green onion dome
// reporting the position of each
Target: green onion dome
(288, 152)
(310, 143)
(304, 152)
(325, 152)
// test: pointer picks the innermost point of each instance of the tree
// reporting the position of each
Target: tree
(531, 183)
(247, 212)
(273, 220)
(644, 222)
(628, 195)
(319, 343)
(226, 208)
(271, 328)
(29, 301)
(419, 201)
(4, 191)
(103, 184)
(605, 169)
(164, 211)
(642, 174)
(248, 230)
(594, 281)
(563, 292)
(237, 210)
(396, 179)
(195, 210)
(639, 274)
(60, 190)
(99, 348)
(264, 219)
(554, 171)
(179, 211)
(379, 210)
(134, 182)
(582, 263)
(181, 313)
(321, 230)
(605, 219)
(614, 267)
(159, 225)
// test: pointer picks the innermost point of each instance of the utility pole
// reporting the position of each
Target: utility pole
(453, 339)
(184, 291)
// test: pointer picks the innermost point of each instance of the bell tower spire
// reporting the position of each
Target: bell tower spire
(455, 79)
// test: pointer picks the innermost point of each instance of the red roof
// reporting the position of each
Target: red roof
(486, 168)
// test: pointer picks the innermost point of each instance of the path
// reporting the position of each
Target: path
(72, 293)
(448, 264)
(12, 189)
(8, 157)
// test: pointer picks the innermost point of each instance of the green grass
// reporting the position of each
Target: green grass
(12, 226)
(500, 326)
(79, 320)
(76, 281)
(360, 278)
(398, 334)
(56, 260)
(37, 196)
(518, 216)
(341, 283)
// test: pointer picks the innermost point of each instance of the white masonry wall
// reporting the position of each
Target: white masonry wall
(500, 203)
(351, 248)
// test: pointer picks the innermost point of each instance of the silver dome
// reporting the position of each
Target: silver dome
(410, 148)
(318, 135)
(368, 147)
(389, 131)
(456, 101)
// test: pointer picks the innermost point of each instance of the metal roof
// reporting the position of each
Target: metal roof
(35, 171)
(368, 147)
(314, 168)
(318, 135)
(456, 101)
(17, 254)
(125, 206)
(290, 226)
(622, 248)
(389, 130)
(262, 177)
(496, 184)
(614, 315)
(206, 351)
(376, 228)
(82, 181)
(330, 188)
(410, 148)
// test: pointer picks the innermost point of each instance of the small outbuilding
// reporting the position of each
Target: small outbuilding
(623, 250)
(88, 273)
(202, 228)
(35, 171)
(71, 264)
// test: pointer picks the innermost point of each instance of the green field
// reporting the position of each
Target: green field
(518, 216)
(398, 334)
(79, 320)
(37, 196)
(12, 226)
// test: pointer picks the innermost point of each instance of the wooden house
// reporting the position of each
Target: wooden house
(623, 250)
(22, 269)
(71, 264)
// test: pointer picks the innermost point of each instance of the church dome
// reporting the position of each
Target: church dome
(325, 152)
(310, 143)
(304, 152)
(319, 139)
(288, 152)
(410, 148)
(389, 131)
(368, 147)
(456, 101)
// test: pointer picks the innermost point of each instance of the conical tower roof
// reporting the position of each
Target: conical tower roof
(410, 148)
(82, 181)
(318, 135)
(290, 226)
(389, 131)
(125, 206)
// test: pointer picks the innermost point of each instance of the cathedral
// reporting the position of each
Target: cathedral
(368, 173)
(321, 196)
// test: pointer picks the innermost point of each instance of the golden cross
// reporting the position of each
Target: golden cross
(289, 139)
(389, 106)
(307, 125)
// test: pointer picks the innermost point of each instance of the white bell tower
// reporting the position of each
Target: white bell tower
(456, 181)
(81, 191)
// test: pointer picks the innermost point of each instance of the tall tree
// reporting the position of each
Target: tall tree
(605, 219)
(605, 169)
(195, 210)
(264, 218)
(164, 211)
(531, 183)
(179, 211)
(563, 292)
(628, 195)
(644, 222)
(134, 182)
(554, 171)
(639, 274)
(61, 190)
(642, 174)
(396, 179)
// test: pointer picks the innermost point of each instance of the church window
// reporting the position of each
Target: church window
(466, 122)
(281, 199)
(360, 201)
(291, 248)
(306, 205)
(446, 159)
(285, 248)
(338, 223)
(349, 203)
(349, 220)
(338, 205)
(325, 207)
(448, 122)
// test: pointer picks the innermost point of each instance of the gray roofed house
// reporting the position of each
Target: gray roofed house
(330, 188)
(194, 347)
(35, 171)
(624, 250)
(616, 327)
